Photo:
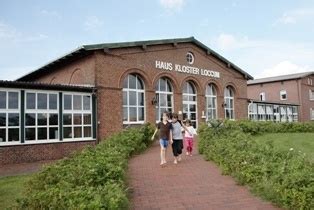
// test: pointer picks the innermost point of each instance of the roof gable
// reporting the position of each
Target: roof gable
(88, 49)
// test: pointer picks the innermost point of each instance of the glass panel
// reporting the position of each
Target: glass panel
(140, 114)
(30, 101)
(77, 132)
(42, 133)
(140, 85)
(77, 102)
(125, 98)
(14, 119)
(53, 101)
(30, 133)
(87, 131)
(86, 102)
(162, 99)
(192, 108)
(231, 103)
(3, 100)
(41, 101)
(185, 98)
(133, 114)
(30, 119)
(140, 99)
(162, 85)
(169, 87)
(193, 116)
(67, 119)
(67, 132)
(53, 119)
(132, 81)
(132, 99)
(53, 133)
(192, 98)
(77, 119)
(3, 119)
(2, 135)
(41, 119)
(13, 100)
(14, 134)
(125, 114)
(87, 119)
(185, 108)
(67, 102)
(169, 100)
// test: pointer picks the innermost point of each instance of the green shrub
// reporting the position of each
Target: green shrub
(91, 179)
(284, 177)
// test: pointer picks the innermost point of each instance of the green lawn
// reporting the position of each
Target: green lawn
(11, 188)
(303, 142)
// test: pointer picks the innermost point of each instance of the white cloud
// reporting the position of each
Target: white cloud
(10, 34)
(50, 13)
(294, 16)
(173, 5)
(229, 42)
(92, 23)
(261, 57)
(283, 68)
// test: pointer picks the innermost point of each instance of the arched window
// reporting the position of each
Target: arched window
(190, 102)
(211, 102)
(133, 100)
(164, 97)
(229, 102)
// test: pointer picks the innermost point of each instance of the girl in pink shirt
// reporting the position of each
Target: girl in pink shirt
(189, 137)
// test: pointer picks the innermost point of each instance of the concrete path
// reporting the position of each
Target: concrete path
(192, 184)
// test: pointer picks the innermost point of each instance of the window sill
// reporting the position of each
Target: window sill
(2, 144)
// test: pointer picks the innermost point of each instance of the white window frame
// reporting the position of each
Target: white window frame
(209, 98)
(189, 103)
(311, 95)
(159, 92)
(312, 113)
(137, 106)
(230, 99)
(37, 111)
(8, 111)
(81, 112)
(283, 92)
(252, 111)
(188, 56)
(262, 96)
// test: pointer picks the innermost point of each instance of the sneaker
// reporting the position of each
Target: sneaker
(191, 154)
(179, 158)
(187, 153)
(175, 161)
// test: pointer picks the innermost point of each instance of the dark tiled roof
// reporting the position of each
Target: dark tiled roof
(88, 49)
(271, 102)
(279, 78)
(45, 86)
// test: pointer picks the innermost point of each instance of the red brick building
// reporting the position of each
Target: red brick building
(132, 83)
(291, 96)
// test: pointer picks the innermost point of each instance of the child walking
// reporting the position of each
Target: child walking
(189, 137)
(165, 135)
(177, 138)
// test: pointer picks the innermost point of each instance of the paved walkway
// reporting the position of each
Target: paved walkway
(192, 184)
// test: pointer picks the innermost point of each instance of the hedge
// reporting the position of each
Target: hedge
(284, 177)
(92, 179)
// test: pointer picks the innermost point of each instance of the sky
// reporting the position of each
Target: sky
(264, 38)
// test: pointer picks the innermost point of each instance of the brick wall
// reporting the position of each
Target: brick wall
(37, 152)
